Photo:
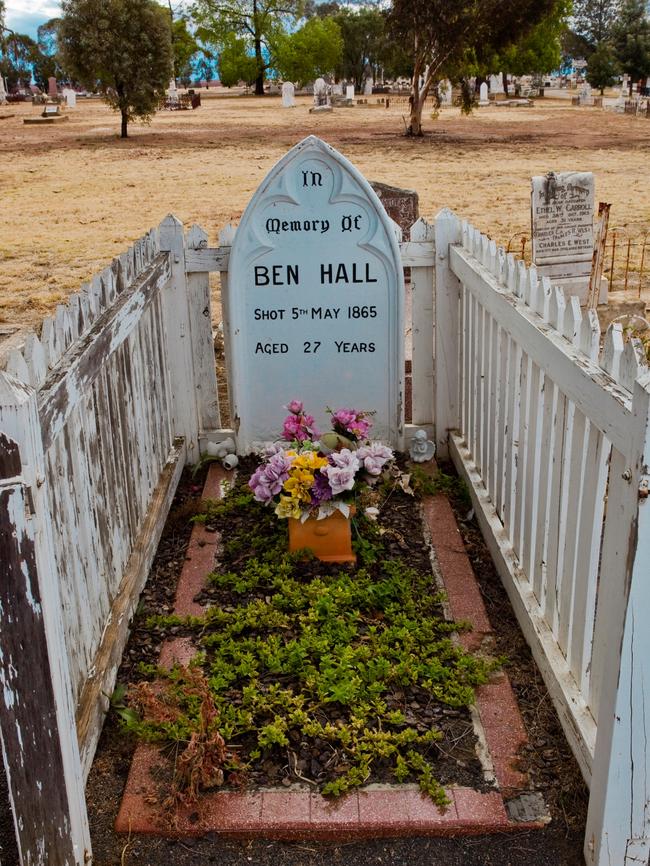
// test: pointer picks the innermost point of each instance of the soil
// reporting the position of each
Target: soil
(74, 195)
(548, 758)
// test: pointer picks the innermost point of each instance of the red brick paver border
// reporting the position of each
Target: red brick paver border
(298, 813)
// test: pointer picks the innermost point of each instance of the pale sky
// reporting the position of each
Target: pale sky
(24, 16)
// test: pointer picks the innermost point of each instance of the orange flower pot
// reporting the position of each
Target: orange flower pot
(330, 539)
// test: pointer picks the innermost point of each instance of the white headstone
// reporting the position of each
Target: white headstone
(316, 298)
(320, 92)
(288, 95)
(3, 92)
(483, 94)
(349, 92)
(585, 94)
(70, 97)
(337, 89)
(367, 86)
(172, 87)
(496, 83)
(446, 92)
(562, 213)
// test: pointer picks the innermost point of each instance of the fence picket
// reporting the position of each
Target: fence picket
(34, 354)
(613, 351)
(422, 330)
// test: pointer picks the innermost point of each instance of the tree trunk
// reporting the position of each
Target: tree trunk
(504, 78)
(125, 120)
(259, 81)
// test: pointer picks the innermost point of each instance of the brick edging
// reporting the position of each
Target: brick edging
(298, 813)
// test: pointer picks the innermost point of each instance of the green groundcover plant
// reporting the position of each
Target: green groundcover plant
(291, 649)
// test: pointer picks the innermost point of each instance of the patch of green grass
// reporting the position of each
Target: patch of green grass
(294, 640)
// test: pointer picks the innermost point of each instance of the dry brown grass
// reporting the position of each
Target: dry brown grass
(73, 195)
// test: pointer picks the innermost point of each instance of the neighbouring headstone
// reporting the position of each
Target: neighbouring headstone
(3, 92)
(367, 86)
(483, 94)
(337, 89)
(496, 83)
(316, 299)
(288, 94)
(562, 214)
(320, 92)
(585, 97)
(446, 92)
(349, 92)
(70, 97)
(401, 205)
(52, 91)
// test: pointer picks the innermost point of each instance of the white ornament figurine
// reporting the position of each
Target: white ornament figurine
(421, 449)
(225, 451)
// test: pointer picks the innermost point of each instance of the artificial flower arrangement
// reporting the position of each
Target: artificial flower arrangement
(310, 474)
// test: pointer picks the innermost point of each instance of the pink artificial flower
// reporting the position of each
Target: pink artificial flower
(295, 406)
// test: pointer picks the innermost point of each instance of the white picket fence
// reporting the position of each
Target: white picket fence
(99, 414)
(552, 436)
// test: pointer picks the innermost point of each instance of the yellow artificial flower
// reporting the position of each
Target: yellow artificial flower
(288, 507)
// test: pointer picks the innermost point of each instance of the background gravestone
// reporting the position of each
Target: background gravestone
(288, 94)
(562, 217)
(402, 205)
(316, 299)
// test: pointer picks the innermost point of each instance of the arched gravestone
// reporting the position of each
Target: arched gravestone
(316, 299)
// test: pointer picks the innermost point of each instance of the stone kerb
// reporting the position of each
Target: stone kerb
(316, 298)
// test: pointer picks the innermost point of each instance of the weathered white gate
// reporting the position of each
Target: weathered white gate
(553, 438)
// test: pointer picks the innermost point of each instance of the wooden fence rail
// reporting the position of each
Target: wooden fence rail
(552, 436)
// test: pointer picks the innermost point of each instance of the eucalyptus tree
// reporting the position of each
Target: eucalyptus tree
(121, 48)
(246, 28)
(444, 36)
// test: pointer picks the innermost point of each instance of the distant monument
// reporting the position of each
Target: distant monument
(52, 91)
(288, 95)
(70, 97)
(3, 92)
(496, 83)
(446, 92)
(367, 86)
(483, 94)
(562, 217)
(320, 93)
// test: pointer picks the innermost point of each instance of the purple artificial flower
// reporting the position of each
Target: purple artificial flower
(267, 480)
(320, 489)
(374, 457)
(344, 459)
(339, 480)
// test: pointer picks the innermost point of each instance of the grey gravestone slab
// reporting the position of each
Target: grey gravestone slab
(402, 205)
(562, 218)
(316, 299)
(288, 94)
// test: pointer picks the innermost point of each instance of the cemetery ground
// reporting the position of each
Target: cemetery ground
(74, 195)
